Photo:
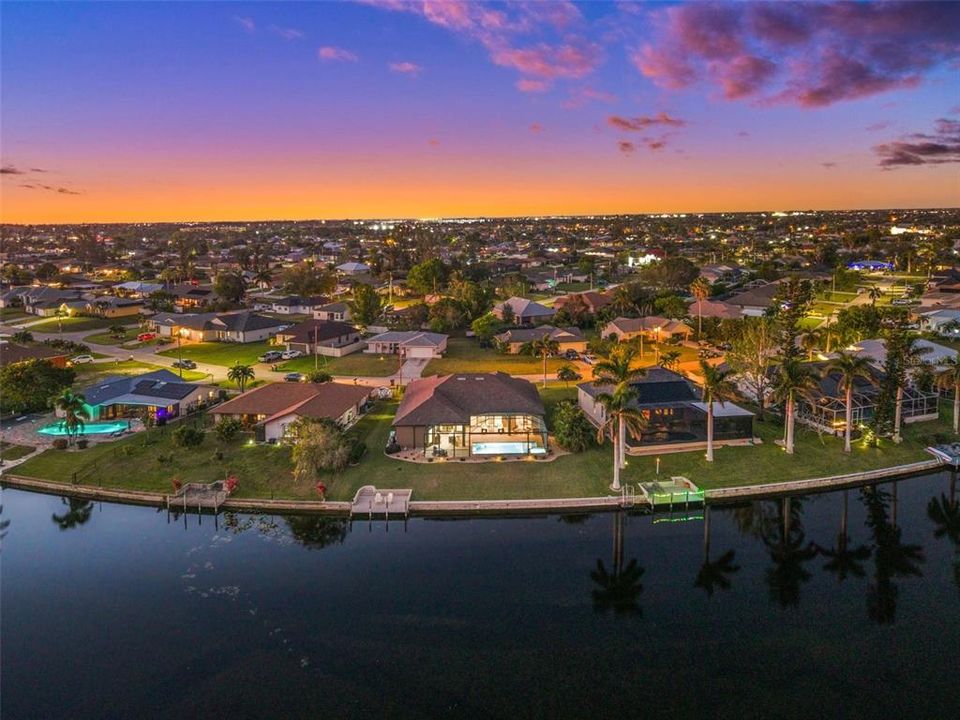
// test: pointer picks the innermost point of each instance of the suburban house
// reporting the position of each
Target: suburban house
(291, 304)
(825, 409)
(756, 301)
(591, 301)
(676, 417)
(651, 327)
(45, 301)
(944, 321)
(110, 306)
(189, 296)
(477, 415)
(239, 327)
(714, 309)
(160, 394)
(321, 337)
(353, 268)
(876, 351)
(11, 354)
(721, 273)
(568, 338)
(525, 312)
(339, 311)
(408, 343)
(271, 409)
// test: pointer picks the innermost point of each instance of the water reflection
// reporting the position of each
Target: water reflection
(944, 511)
(845, 560)
(619, 588)
(789, 551)
(78, 513)
(714, 574)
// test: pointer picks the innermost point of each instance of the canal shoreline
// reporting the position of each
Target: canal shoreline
(472, 507)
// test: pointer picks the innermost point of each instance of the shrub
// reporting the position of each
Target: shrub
(571, 428)
(188, 436)
(60, 444)
(228, 429)
(82, 444)
(357, 448)
(392, 449)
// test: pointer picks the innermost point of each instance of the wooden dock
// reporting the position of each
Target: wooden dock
(381, 503)
(200, 496)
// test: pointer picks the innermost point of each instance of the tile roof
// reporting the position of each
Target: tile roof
(316, 400)
(455, 398)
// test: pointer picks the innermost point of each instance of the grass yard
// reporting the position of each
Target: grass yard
(465, 355)
(11, 452)
(261, 469)
(359, 364)
(77, 324)
(91, 373)
(838, 296)
(224, 354)
(12, 313)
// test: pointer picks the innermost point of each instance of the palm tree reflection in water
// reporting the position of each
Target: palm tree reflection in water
(716, 574)
(843, 560)
(78, 513)
(789, 551)
(620, 588)
(944, 511)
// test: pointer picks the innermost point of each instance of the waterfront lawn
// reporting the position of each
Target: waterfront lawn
(91, 373)
(223, 354)
(261, 469)
(464, 355)
(359, 364)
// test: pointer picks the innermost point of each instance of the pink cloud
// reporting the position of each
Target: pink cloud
(549, 61)
(937, 148)
(433, 142)
(527, 85)
(329, 53)
(586, 95)
(625, 146)
(405, 68)
(644, 121)
(536, 128)
(286, 33)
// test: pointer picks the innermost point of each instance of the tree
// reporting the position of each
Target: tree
(671, 306)
(188, 435)
(700, 289)
(673, 273)
(474, 299)
(227, 429)
(717, 387)
(241, 375)
(571, 428)
(616, 370)
(568, 374)
(79, 512)
(28, 386)
(319, 445)
(366, 305)
(427, 277)
(874, 293)
(544, 347)
(307, 278)
(22, 336)
(117, 331)
(75, 413)
(850, 368)
(507, 314)
(949, 379)
(793, 379)
(670, 360)
(485, 327)
(319, 376)
(752, 355)
(230, 286)
(446, 315)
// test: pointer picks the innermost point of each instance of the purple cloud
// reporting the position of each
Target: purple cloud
(329, 53)
(937, 148)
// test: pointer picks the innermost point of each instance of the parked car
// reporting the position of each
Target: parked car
(270, 356)
(293, 377)
(571, 355)
(290, 354)
(146, 336)
(185, 364)
(82, 359)
(588, 359)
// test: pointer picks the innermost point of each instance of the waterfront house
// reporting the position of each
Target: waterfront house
(480, 415)
(525, 312)
(291, 304)
(675, 414)
(160, 394)
(567, 338)
(591, 301)
(756, 301)
(270, 409)
(408, 343)
(321, 337)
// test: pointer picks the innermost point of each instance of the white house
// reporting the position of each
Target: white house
(410, 343)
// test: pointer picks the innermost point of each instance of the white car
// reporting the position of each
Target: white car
(82, 359)
(290, 354)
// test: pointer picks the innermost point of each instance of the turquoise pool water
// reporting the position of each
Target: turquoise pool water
(507, 448)
(93, 428)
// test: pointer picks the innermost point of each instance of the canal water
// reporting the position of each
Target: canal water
(838, 605)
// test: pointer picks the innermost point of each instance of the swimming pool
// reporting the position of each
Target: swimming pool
(93, 428)
(507, 448)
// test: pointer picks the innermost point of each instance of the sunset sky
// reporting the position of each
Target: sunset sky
(231, 111)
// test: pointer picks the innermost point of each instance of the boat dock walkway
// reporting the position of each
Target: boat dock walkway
(370, 501)
(198, 495)
(676, 491)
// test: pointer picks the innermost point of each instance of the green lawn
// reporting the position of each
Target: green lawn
(224, 354)
(77, 324)
(359, 364)
(10, 452)
(91, 373)
(838, 296)
(12, 313)
(261, 469)
(465, 355)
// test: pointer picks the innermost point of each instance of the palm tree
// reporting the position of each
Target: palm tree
(912, 358)
(241, 375)
(793, 379)
(568, 374)
(118, 331)
(717, 387)
(616, 370)
(263, 277)
(74, 411)
(619, 589)
(949, 379)
(810, 342)
(874, 293)
(619, 419)
(670, 360)
(700, 289)
(544, 347)
(849, 367)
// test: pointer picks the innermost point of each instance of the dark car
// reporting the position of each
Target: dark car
(571, 355)
(185, 364)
